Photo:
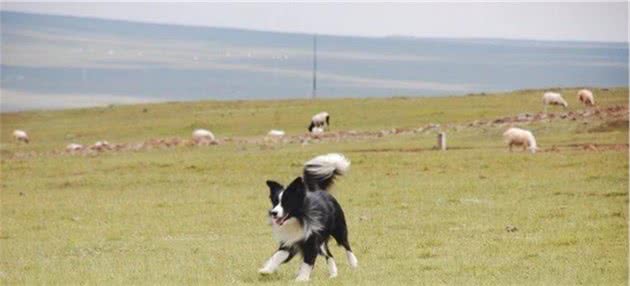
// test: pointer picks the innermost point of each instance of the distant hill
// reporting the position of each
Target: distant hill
(60, 61)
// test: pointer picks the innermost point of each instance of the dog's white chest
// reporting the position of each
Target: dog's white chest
(289, 232)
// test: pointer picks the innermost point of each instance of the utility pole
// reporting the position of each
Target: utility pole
(314, 65)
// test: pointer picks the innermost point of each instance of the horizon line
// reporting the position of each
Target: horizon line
(399, 36)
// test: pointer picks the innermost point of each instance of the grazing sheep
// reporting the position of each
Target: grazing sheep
(319, 120)
(101, 145)
(520, 137)
(74, 147)
(275, 133)
(553, 98)
(585, 96)
(203, 136)
(20, 135)
(274, 136)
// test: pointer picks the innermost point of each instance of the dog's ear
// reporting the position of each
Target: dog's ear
(296, 191)
(297, 183)
(274, 187)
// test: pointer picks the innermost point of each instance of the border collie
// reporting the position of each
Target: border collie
(304, 216)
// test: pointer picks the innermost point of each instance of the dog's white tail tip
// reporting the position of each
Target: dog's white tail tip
(324, 163)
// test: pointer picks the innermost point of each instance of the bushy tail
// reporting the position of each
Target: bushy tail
(321, 171)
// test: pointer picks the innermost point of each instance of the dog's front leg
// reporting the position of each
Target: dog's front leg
(310, 251)
(276, 259)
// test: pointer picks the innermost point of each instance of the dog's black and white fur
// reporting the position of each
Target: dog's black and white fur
(304, 216)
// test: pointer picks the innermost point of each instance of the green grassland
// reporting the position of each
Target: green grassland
(196, 215)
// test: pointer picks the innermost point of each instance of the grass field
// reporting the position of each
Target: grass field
(196, 215)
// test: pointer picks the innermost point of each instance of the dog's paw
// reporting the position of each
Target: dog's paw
(304, 273)
(352, 260)
(265, 271)
(354, 264)
(301, 278)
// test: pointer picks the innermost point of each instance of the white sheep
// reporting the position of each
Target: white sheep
(520, 137)
(585, 96)
(101, 145)
(274, 136)
(319, 120)
(203, 136)
(553, 98)
(20, 135)
(276, 133)
(317, 132)
(74, 147)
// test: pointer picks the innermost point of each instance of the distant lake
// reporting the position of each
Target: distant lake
(46, 58)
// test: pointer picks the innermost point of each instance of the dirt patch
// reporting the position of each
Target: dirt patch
(599, 147)
(384, 150)
(616, 125)
(589, 147)
(608, 195)
(564, 194)
(405, 150)
(615, 113)
(616, 116)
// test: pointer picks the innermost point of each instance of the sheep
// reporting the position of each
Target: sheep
(203, 136)
(553, 98)
(20, 135)
(101, 145)
(275, 133)
(520, 137)
(274, 136)
(585, 96)
(317, 132)
(74, 147)
(319, 120)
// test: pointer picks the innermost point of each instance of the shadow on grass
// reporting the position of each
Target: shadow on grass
(411, 150)
(554, 148)
(258, 279)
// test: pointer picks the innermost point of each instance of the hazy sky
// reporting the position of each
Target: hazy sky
(544, 21)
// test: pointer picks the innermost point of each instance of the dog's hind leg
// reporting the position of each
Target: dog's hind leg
(283, 255)
(330, 261)
(341, 236)
(352, 260)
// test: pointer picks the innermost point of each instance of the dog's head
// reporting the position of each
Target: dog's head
(286, 202)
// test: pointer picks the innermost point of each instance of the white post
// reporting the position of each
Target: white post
(442, 141)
